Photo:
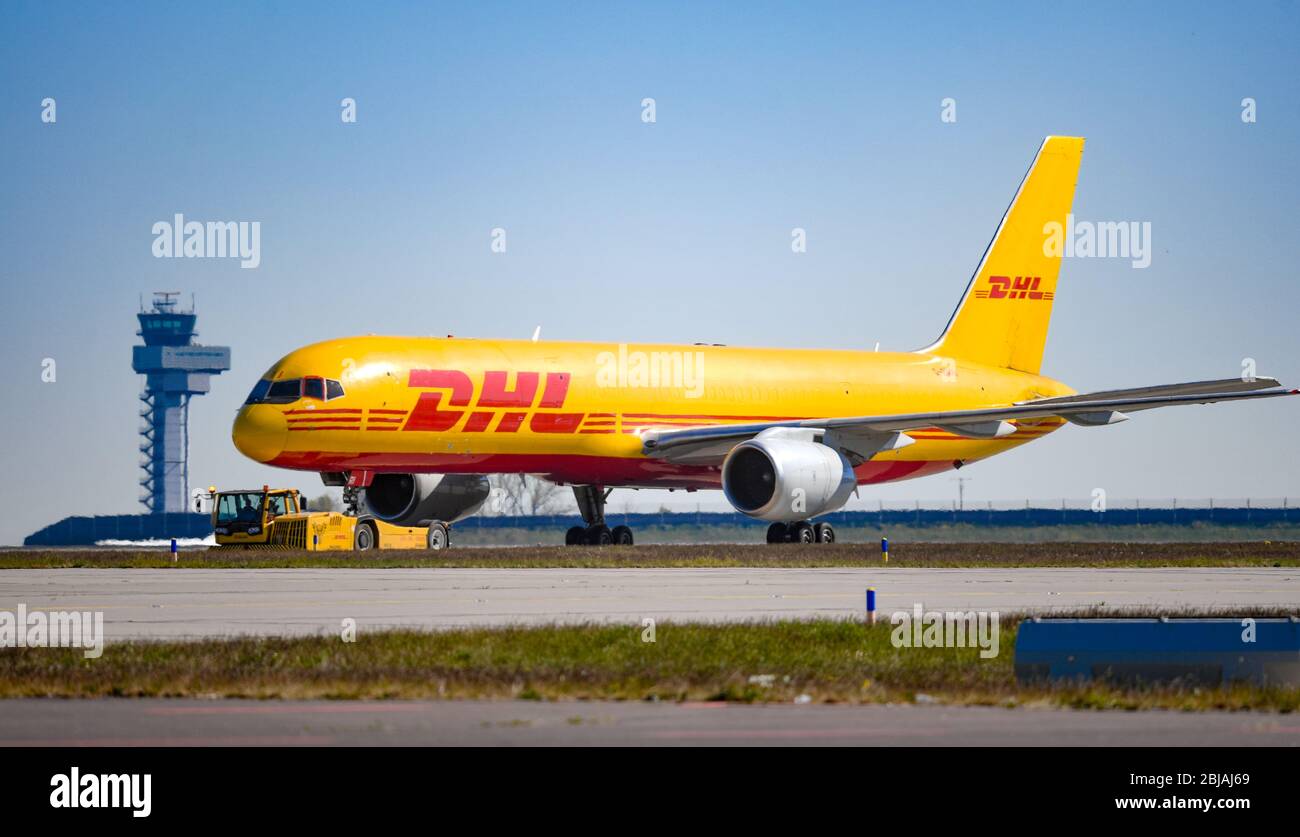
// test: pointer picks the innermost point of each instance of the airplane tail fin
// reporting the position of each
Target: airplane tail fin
(1003, 316)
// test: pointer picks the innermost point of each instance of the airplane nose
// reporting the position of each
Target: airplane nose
(259, 432)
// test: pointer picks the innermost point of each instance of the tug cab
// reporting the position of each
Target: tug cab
(278, 519)
(243, 518)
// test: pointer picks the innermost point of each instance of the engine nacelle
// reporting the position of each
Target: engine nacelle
(783, 475)
(416, 499)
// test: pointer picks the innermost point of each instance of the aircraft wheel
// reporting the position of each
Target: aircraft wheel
(576, 536)
(439, 537)
(824, 532)
(778, 533)
(621, 536)
(802, 532)
(363, 538)
(598, 535)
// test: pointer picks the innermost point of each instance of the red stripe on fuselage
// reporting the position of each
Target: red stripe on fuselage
(571, 468)
(711, 417)
(314, 411)
(331, 419)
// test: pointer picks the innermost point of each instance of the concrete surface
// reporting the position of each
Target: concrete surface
(141, 603)
(159, 722)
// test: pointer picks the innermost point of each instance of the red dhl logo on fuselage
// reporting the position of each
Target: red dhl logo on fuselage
(511, 404)
(1005, 287)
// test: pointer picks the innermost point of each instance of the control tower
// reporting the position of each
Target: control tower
(175, 368)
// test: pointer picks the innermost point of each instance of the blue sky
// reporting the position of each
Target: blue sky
(527, 117)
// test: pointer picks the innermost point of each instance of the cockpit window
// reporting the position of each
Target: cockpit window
(259, 392)
(282, 392)
(313, 388)
(285, 392)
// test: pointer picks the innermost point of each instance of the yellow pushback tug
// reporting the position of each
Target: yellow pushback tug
(278, 519)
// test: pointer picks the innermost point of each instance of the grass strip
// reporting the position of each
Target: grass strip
(924, 555)
(835, 661)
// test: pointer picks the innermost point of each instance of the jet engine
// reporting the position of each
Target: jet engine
(786, 477)
(415, 499)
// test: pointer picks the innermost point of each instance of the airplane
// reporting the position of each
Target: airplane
(411, 426)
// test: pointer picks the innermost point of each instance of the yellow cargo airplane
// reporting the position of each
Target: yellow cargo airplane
(410, 426)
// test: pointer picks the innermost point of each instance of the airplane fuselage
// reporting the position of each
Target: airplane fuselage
(574, 412)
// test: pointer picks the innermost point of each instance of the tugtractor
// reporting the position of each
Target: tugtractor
(278, 519)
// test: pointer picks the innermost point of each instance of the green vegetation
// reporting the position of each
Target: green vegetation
(1257, 554)
(825, 660)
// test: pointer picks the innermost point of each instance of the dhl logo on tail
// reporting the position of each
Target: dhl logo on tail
(1022, 287)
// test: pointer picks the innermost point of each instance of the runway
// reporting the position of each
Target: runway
(172, 604)
(164, 723)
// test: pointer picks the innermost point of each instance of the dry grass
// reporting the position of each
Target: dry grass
(827, 660)
(1248, 554)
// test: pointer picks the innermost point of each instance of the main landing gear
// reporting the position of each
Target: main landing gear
(800, 531)
(591, 505)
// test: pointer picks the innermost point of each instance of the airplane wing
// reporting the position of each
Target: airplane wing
(861, 437)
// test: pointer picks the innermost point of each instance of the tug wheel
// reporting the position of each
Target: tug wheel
(439, 537)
